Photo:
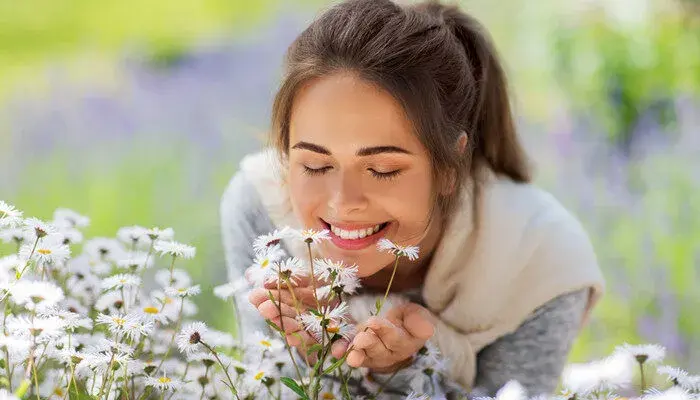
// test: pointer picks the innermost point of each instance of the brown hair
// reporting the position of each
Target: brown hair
(438, 63)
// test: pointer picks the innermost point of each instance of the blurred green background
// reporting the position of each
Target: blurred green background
(137, 112)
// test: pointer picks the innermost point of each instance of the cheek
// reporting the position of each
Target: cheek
(306, 195)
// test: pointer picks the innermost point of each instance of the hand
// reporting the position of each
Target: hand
(390, 343)
(296, 335)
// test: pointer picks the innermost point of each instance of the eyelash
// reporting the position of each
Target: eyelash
(378, 175)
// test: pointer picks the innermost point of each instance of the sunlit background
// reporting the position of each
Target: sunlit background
(137, 112)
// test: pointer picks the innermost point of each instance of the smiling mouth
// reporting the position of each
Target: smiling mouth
(361, 234)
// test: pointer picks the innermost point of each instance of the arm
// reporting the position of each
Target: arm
(243, 218)
(536, 352)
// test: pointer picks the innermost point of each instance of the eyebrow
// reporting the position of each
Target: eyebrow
(363, 152)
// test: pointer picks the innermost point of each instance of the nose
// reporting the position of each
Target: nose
(348, 196)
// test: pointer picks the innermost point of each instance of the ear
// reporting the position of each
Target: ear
(462, 142)
(449, 182)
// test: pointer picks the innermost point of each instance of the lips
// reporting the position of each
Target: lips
(355, 236)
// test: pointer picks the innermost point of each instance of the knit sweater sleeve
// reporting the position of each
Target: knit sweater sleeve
(536, 352)
(243, 218)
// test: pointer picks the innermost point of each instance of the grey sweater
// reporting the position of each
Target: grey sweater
(534, 354)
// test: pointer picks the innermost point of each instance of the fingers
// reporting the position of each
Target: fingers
(339, 347)
(356, 358)
(417, 321)
(259, 295)
(390, 335)
(270, 310)
(289, 325)
(297, 282)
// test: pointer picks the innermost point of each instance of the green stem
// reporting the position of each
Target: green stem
(284, 336)
(216, 355)
(172, 338)
(313, 277)
(643, 378)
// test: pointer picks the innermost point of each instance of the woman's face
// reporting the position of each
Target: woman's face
(357, 169)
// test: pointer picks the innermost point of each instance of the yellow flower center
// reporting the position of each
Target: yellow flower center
(168, 300)
(333, 329)
(266, 343)
(119, 321)
(259, 375)
(265, 263)
(327, 395)
(164, 379)
(44, 251)
(151, 310)
(58, 391)
(122, 281)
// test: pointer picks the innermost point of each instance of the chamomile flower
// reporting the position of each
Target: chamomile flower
(104, 249)
(183, 292)
(310, 236)
(69, 236)
(43, 329)
(261, 271)
(314, 322)
(231, 289)
(180, 278)
(16, 235)
(71, 320)
(121, 281)
(154, 314)
(674, 393)
(9, 215)
(160, 234)
(174, 249)
(125, 324)
(65, 218)
(38, 228)
(111, 301)
(680, 378)
(604, 375)
(137, 261)
(645, 353)
(410, 252)
(163, 383)
(290, 268)
(133, 235)
(36, 295)
(263, 243)
(49, 250)
(260, 343)
(190, 336)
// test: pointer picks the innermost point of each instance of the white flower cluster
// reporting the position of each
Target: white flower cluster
(614, 378)
(81, 325)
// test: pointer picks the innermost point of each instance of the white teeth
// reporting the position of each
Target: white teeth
(355, 234)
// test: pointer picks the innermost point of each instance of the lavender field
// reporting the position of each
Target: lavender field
(608, 103)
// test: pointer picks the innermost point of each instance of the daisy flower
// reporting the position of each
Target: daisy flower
(345, 276)
(160, 234)
(314, 322)
(292, 268)
(264, 242)
(231, 289)
(644, 353)
(16, 235)
(674, 393)
(36, 295)
(190, 336)
(71, 320)
(180, 278)
(43, 329)
(104, 249)
(65, 218)
(410, 252)
(175, 249)
(9, 215)
(153, 314)
(137, 261)
(310, 236)
(163, 384)
(680, 378)
(38, 227)
(261, 270)
(69, 236)
(262, 343)
(110, 301)
(120, 281)
(49, 250)
(604, 375)
(127, 324)
(183, 292)
(133, 235)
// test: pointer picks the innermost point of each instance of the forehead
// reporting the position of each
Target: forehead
(344, 110)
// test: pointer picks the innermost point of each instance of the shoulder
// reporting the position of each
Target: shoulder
(534, 216)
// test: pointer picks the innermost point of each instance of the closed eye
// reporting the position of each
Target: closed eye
(384, 175)
(316, 171)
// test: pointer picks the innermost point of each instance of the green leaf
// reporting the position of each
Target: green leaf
(316, 347)
(78, 392)
(275, 327)
(335, 365)
(290, 383)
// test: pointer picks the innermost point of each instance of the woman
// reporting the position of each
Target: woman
(394, 121)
